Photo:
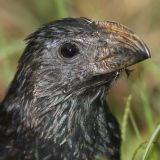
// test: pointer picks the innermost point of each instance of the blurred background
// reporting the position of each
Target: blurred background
(139, 113)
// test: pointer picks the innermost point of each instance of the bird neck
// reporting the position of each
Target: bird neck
(75, 113)
(83, 119)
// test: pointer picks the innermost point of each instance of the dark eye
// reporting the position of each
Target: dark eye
(69, 50)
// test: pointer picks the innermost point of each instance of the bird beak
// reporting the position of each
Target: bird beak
(122, 48)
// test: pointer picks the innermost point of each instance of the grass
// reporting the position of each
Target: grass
(153, 140)
(140, 122)
(149, 146)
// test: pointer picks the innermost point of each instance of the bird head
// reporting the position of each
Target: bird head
(71, 58)
(78, 54)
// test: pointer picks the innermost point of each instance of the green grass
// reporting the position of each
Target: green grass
(148, 146)
(155, 137)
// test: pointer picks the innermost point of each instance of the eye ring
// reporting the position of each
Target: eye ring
(69, 50)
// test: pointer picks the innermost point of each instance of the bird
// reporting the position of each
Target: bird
(55, 107)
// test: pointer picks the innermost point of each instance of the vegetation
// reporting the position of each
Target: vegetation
(138, 113)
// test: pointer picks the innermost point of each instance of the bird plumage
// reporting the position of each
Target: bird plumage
(55, 107)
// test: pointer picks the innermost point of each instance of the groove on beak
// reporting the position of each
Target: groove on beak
(123, 48)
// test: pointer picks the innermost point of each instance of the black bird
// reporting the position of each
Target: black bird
(55, 108)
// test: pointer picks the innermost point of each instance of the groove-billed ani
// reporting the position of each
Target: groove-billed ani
(55, 108)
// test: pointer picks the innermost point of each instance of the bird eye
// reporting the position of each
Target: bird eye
(69, 50)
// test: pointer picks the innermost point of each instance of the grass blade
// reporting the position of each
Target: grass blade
(125, 117)
(153, 139)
